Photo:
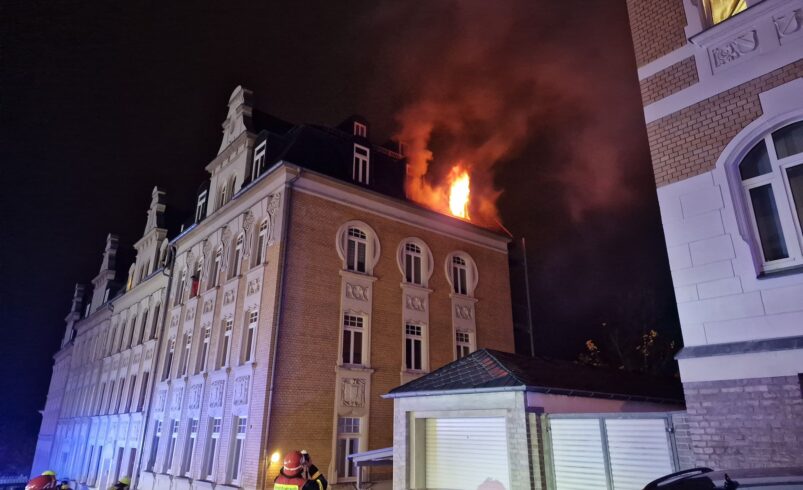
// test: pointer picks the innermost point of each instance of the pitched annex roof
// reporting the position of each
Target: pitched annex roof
(490, 370)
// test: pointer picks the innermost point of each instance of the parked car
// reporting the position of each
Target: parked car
(708, 479)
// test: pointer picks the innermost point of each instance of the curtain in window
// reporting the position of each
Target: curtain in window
(717, 11)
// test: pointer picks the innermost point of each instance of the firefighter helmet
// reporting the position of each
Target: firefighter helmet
(292, 463)
(42, 482)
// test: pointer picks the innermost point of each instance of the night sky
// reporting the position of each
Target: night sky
(100, 102)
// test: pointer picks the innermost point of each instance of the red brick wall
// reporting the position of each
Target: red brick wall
(657, 27)
(746, 423)
(669, 80)
(304, 399)
(689, 142)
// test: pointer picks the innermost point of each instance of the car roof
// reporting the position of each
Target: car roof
(746, 478)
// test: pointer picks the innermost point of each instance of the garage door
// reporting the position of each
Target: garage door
(607, 452)
(464, 453)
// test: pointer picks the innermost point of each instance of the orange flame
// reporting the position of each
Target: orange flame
(459, 192)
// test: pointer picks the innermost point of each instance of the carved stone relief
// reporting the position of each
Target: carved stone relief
(137, 357)
(194, 397)
(177, 396)
(228, 296)
(734, 49)
(148, 354)
(787, 24)
(253, 286)
(241, 389)
(416, 303)
(161, 399)
(174, 321)
(208, 305)
(463, 312)
(190, 314)
(353, 392)
(355, 291)
(216, 394)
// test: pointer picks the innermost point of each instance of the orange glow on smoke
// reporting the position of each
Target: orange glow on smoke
(459, 191)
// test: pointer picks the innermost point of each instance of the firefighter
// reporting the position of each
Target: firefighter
(45, 481)
(65, 485)
(298, 473)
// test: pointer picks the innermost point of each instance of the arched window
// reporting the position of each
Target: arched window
(772, 181)
(236, 257)
(214, 272)
(461, 272)
(358, 247)
(262, 241)
(415, 261)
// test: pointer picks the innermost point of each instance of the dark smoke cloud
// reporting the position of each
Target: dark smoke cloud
(476, 81)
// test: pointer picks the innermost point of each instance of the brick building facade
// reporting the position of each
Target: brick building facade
(305, 287)
(722, 87)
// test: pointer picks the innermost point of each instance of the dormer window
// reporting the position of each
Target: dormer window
(200, 207)
(259, 160)
(361, 169)
(360, 129)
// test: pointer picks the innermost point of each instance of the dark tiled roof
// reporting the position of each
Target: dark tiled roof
(489, 369)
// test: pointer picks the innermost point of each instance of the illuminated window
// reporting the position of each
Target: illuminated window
(716, 11)
(362, 168)
(772, 182)
(352, 339)
(348, 443)
(258, 166)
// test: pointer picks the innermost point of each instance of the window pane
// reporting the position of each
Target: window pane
(341, 457)
(789, 140)
(346, 347)
(795, 175)
(357, 348)
(408, 265)
(408, 353)
(757, 162)
(417, 270)
(768, 223)
(462, 281)
(360, 257)
(416, 354)
(350, 256)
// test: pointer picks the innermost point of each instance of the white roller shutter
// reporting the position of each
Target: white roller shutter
(462, 453)
(577, 454)
(639, 451)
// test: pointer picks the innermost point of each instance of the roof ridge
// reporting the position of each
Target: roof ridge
(502, 365)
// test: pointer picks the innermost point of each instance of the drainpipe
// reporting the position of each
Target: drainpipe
(277, 318)
(167, 270)
(527, 292)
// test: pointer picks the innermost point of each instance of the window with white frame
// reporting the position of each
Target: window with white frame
(143, 327)
(238, 448)
(249, 345)
(459, 275)
(203, 354)
(356, 250)
(772, 180)
(463, 344)
(168, 364)
(143, 390)
(130, 341)
(362, 166)
(237, 257)
(352, 339)
(413, 261)
(157, 434)
(189, 446)
(262, 241)
(414, 347)
(185, 356)
(360, 129)
(225, 344)
(223, 196)
(171, 445)
(259, 160)
(131, 385)
(200, 207)
(348, 443)
(214, 272)
(212, 445)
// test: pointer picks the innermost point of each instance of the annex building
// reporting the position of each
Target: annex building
(304, 288)
(722, 87)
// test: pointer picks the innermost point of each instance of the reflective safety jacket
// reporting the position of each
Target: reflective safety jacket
(316, 481)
